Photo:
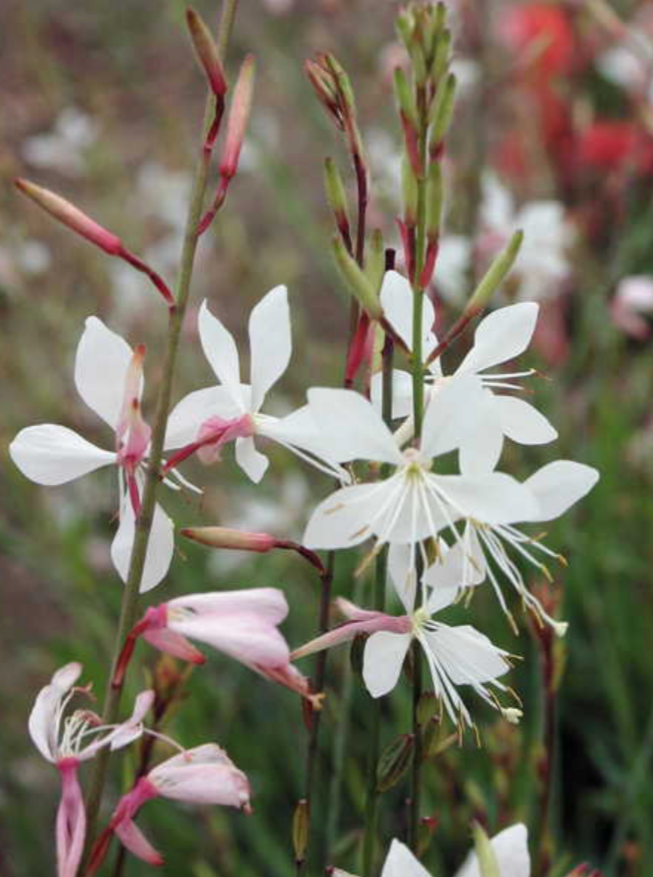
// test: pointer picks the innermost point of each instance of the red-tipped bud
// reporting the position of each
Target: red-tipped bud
(207, 52)
(223, 537)
(69, 215)
(238, 116)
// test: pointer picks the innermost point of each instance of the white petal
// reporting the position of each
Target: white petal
(481, 448)
(403, 574)
(559, 485)
(452, 413)
(270, 342)
(383, 659)
(221, 351)
(461, 566)
(400, 862)
(299, 430)
(159, 550)
(342, 520)
(467, 656)
(511, 850)
(501, 336)
(493, 499)
(194, 409)
(43, 725)
(402, 393)
(50, 454)
(101, 366)
(397, 302)
(523, 423)
(350, 427)
(253, 463)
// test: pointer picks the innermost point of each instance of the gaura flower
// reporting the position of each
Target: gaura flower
(500, 337)
(66, 742)
(414, 503)
(509, 849)
(241, 624)
(206, 420)
(455, 655)
(203, 775)
(109, 378)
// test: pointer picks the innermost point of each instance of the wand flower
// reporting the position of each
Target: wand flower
(109, 378)
(68, 742)
(205, 420)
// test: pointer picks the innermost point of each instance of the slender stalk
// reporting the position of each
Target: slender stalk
(547, 765)
(129, 608)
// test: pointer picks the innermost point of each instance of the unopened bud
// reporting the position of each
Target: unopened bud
(241, 106)
(69, 215)
(512, 715)
(207, 52)
(342, 81)
(441, 55)
(394, 762)
(375, 262)
(441, 112)
(405, 98)
(323, 87)
(487, 860)
(405, 25)
(336, 196)
(223, 537)
(495, 275)
(358, 284)
(301, 823)
(409, 192)
(434, 200)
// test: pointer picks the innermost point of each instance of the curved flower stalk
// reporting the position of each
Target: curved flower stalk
(203, 775)
(501, 336)
(241, 624)
(66, 743)
(205, 420)
(507, 854)
(455, 655)
(414, 503)
(109, 378)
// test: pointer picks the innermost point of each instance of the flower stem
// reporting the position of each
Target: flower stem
(130, 600)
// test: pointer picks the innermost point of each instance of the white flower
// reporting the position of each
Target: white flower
(108, 377)
(500, 337)
(209, 418)
(510, 849)
(414, 503)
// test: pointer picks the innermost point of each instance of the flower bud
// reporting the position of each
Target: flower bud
(441, 112)
(409, 192)
(405, 25)
(69, 215)
(394, 761)
(223, 537)
(434, 200)
(301, 823)
(358, 284)
(323, 87)
(375, 262)
(336, 196)
(207, 52)
(241, 106)
(405, 98)
(441, 55)
(495, 275)
(487, 860)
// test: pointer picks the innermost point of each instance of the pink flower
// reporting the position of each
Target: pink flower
(242, 624)
(632, 304)
(80, 738)
(203, 775)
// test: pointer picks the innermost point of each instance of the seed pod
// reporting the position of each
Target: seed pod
(394, 762)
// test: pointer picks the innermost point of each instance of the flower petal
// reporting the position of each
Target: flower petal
(383, 659)
(481, 448)
(269, 603)
(51, 454)
(43, 725)
(101, 367)
(350, 427)
(461, 566)
(133, 839)
(522, 422)
(496, 498)
(400, 862)
(559, 485)
(511, 850)
(270, 342)
(453, 411)
(397, 302)
(467, 656)
(403, 574)
(402, 392)
(196, 408)
(221, 351)
(501, 336)
(252, 462)
(160, 547)
(342, 520)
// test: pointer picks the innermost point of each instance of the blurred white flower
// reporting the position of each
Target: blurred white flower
(631, 305)
(62, 149)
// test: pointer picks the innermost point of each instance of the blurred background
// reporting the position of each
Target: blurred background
(102, 102)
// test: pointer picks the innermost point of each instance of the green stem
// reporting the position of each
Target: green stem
(130, 600)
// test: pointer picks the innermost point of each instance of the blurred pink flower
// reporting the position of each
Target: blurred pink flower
(631, 305)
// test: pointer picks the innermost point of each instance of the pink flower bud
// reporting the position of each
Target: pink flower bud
(241, 105)
(223, 537)
(207, 52)
(71, 216)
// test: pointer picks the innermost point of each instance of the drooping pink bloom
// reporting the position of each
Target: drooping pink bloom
(203, 775)
(68, 743)
(242, 624)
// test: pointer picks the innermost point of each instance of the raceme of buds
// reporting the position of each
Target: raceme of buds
(207, 53)
(333, 89)
(66, 213)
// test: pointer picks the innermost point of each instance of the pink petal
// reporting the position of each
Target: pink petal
(71, 820)
(135, 841)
